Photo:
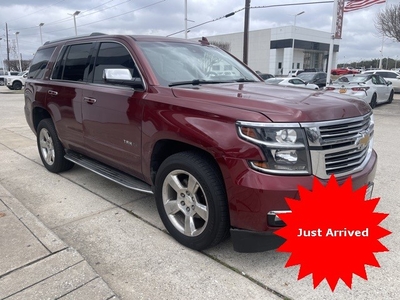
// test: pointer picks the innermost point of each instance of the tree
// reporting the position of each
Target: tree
(388, 22)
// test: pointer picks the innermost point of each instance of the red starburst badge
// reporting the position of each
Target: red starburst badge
(332, 232)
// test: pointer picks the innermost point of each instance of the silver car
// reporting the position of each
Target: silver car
(292, 81)
(371, 88)
(393, 76)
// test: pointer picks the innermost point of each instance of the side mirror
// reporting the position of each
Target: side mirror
(121, 76)
(389, 83)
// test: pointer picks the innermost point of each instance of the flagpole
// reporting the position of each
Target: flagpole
(333, 31)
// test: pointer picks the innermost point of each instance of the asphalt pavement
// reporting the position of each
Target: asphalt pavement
(77, 235)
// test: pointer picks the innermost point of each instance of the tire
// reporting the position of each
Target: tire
(191, 200)
(390, 99)
(373, 101)
(17, 85)
(10, 88)
(51, 150)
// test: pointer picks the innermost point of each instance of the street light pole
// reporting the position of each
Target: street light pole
(40, 30)
(1, 58)
(293, 38)
(74, 15)
(19, 56)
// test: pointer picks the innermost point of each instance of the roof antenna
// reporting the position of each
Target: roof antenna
(204, 41)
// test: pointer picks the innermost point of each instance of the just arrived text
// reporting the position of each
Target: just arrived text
(332, 232)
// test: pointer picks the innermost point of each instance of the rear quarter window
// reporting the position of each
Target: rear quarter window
(39, 62)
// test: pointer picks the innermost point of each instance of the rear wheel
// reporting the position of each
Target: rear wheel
(50, 148)
(390, 99)
(373, 101)
(191, 200)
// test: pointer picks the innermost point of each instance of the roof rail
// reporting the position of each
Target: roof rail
(74, 37)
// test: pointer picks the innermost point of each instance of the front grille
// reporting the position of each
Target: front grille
(344, 161)
(335, 133)
(340, 147)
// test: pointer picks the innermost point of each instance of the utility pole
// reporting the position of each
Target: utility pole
(8, 49)
(246, 31)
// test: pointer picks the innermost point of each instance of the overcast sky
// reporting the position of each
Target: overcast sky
(360, 40)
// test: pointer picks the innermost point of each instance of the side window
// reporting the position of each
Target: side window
(380, 80)
(112, 56)
(39, 62)
(73, 63)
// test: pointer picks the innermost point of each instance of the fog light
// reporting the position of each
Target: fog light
(285, 156)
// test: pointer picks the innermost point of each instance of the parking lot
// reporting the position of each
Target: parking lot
(120, 235)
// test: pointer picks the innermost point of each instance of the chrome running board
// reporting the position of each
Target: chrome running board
(108, 172)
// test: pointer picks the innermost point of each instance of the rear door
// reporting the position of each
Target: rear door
(112, 113)
(64, 93)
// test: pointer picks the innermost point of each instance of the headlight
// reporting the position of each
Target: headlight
(284, 146)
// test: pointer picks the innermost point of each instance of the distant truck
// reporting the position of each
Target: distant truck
(4, 74)
(15, 82)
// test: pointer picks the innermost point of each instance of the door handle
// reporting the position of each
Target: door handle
(89, 100)
(51, 92)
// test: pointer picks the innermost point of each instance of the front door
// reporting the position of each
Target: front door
(112, 113)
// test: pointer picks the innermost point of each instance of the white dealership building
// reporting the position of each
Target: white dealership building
(271, 50)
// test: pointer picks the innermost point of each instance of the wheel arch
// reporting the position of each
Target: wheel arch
(38, 114)
(165, 148)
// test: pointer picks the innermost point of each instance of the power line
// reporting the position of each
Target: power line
(128, 12)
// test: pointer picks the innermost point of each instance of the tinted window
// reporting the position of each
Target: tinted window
(112, 56)
(39, 62)
(73, 63)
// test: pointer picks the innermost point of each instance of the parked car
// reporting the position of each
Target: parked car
(266, 76)
(318, 78)
(393, 76)
(4, 74)
(292, 82)
(220, 153)
(371, 88)
(295, 73)
(344, 71)
(16, 82)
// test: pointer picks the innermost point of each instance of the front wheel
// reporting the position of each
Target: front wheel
(50, 148)
(390, 99)
(191, 200)
(17, 85)
(372, 103)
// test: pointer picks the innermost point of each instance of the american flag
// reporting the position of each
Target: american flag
(358, 4)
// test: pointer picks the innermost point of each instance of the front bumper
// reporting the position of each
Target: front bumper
(254, 210)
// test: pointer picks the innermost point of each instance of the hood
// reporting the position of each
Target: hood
(279, 104)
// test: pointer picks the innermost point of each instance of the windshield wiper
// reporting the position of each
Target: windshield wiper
(199, 81)
(244, 80)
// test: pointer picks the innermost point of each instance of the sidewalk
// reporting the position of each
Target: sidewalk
(36, 264)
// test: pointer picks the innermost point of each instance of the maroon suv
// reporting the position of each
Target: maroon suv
(190, 123)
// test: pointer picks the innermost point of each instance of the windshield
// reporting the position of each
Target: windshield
(176, 63)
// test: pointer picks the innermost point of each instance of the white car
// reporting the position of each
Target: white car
(294, 73)
(292, 81)
(392, 76)
(371, 88)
